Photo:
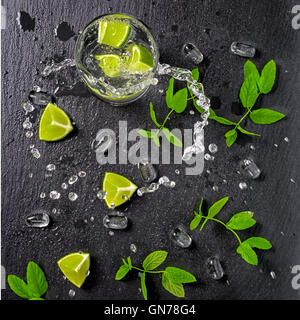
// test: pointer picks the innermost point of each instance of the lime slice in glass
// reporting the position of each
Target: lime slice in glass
(140, 59)
(113, 33)
(55, 124)
(75, 266)
(118, 189)
(110, 64)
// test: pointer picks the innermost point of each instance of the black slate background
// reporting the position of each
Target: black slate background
(212, 26)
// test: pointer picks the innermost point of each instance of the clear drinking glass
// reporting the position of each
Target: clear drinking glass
(120, 86)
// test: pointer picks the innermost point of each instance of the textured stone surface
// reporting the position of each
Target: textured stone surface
(212, 26)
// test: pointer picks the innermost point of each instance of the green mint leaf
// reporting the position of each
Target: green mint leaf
(154, 259)
(124, 261)
(169, 94)
(247, 253)
(177, 275)
(129, 263)
(230, 136)
(153, 116)
(268, 76)
(195, 222)
(179, 102)
(247, 132)
(265, 116)
(143, 285)
(172, 138)
(174, 288)
(250, 69)
(145, 133)
(195, 74)
(241, 221)
(19, 287)
(200, 206)
(222, 120)
(215, 209)
(36, 279)
(249, 92)
(123, 270)
(259, 243)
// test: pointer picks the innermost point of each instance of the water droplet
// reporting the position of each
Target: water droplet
(273, 275)
(72, 293)
(147, 171)
(28, 107)
(73, 179)
(215, 188)
(243, 185)
(213, 148)
(64, 186)
(165, 181)
(38, 220)
(249, 168)
(54, 195)
(292, 180)
(242, 49)
(252, 147)
(286, 139)
(43, 195)
(35, 152)
(214, 268)
(209, 157)
(111, 233)
(177, 171)
(115, 221)
(30, 175)
(192, 112)
(92, 219)
(133, 248)
(27, 125)
(28, 134)
(50, 167)
(192, 53)
(54, 210)
(181, 238)
(82, 174)
(101, 194)
(73, 196)
(152, 188)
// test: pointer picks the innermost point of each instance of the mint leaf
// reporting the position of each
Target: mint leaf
(222, 120)
(265, 116)
(268, 76)
(174, 288)
(230, 136)
(195, 222)
(241, 221)
(143, 285)
(247, 132)
(153, 116)
(172, 138)
(177, 275)
(195, 74)
(129, 263)
(179, 101)
(247, 253)
(19, 287)
(249, 92)
(121, 273)
(154, 259)
(250, 69)
(145, 133)
(169, 93)
(36, 279)
(259, 243)
(200, 206)
(215, 209)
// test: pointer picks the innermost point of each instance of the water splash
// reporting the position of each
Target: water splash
(54, 67)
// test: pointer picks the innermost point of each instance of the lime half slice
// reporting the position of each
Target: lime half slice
(55, 124)
(75, 266)
(113, 33)
(110, 64)
(140, 59)
(118, 189)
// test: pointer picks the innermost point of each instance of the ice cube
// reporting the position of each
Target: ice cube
(38, 220)
(115, 221)
(181, 238)
(40, 98)
(147, 170)
(215, 268)
(242, 49)
(249, 168)
(192, 53)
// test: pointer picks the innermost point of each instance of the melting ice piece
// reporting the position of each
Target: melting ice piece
(147, 170)
(242, 49)
(249, 168)
(181, 238)
(38, 220)
(214, 268)
(192, 53)
(165, 181)
(152, 188)
(115, 222)
(40, 98)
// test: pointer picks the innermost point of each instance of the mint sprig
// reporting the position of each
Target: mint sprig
(239, 221)
(172, 279)
(254, 85)
(35, 287)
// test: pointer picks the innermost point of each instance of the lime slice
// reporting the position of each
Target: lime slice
(140, 59)
(55, 124)
(113, 33)
(110, 64)
(118, 189)
(75, 266)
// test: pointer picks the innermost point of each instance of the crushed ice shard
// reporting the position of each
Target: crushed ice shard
(40, 98)
(215, 268)
(38, 220)
(181, 238)
(242, 49)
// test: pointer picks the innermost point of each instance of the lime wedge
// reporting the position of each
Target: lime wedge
(118, 189)
(140, 59)
(55, 124)
(75, 267)
(113, 33)
(110, 64)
